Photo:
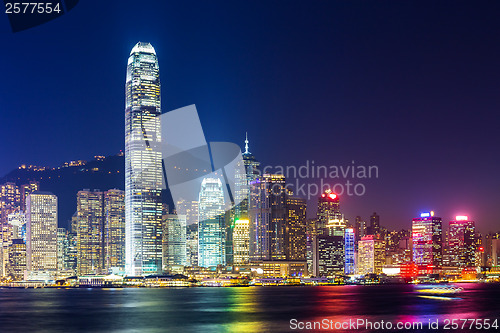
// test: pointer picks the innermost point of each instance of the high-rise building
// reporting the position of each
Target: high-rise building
(331, 252)
(18, 222)
(427, 240)
(295, 229)
(90, 232)
(62, 244)
(244, 182)
(371, 255)
(192, 244)
(268, 218)
(71, 252)
(461, 242)
(246, 174)
(328, 209)
(350, 251)
(366, 255)
(114, 230)
(241, 242)
(17, 260)
(312, 246)
(41, 232)
(211, 225)
(359, 228)
(331, 226)
(26, 189)
(143, 162)
(174, 241)
(374, 228)
(10, 201)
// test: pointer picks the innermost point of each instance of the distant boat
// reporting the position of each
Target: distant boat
(440, 290)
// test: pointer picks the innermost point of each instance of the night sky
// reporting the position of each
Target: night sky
(409, 86)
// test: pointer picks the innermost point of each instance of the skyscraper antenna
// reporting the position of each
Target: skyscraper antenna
(246, 143)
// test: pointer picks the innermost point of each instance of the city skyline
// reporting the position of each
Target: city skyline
(376, 80)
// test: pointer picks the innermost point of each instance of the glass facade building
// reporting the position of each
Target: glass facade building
(427, 240)
(461, 242)
(143, 162)
(90, 212)
(211, 226)
(114, 230)
(41, 238)
(350, 253)
(174, 241)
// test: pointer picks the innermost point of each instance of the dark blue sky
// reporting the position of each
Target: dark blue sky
(410, 86)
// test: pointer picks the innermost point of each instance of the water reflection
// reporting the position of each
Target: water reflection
(251, 309)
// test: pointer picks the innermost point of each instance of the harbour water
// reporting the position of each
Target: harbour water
(244, 309)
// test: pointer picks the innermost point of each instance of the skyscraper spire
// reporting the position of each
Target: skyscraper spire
(246, 143)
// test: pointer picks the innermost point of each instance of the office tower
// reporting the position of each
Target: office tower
(192, 245)
(371, 255)
(295, 228)
(330, 235)
(244, 182)
(62, 243)
(350, 251)
(73, 223)
(359, 228)
(328, 209)
(211, 226)
(461, 242)
(41, 231)
(143, 162)
(90, 232)
(374, 228)
(427, 240)
(312, 247)
(366, 255)
(267, 218)
(398, 248)
(10, 201)
(114, 230)
(18, 222)
(174, 241)
(241, 242)
(495, 250)
(26, 189)
(17, 260)
(71, 252)
(245, 178)
(331, 255)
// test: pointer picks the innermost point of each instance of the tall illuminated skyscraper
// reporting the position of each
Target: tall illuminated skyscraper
(114, 230)
(41, 232)
(90, 232)
(331, 252)
(329, 256)
(241, 241)
(461, 243)
(245, 187)
(143, 168)
(427, 240)
(211, 226)
(267, 218)
(350, 251)
(295, 228)
(174, 241)
(328, 209)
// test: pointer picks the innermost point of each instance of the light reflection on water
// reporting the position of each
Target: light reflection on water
(252, 309)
